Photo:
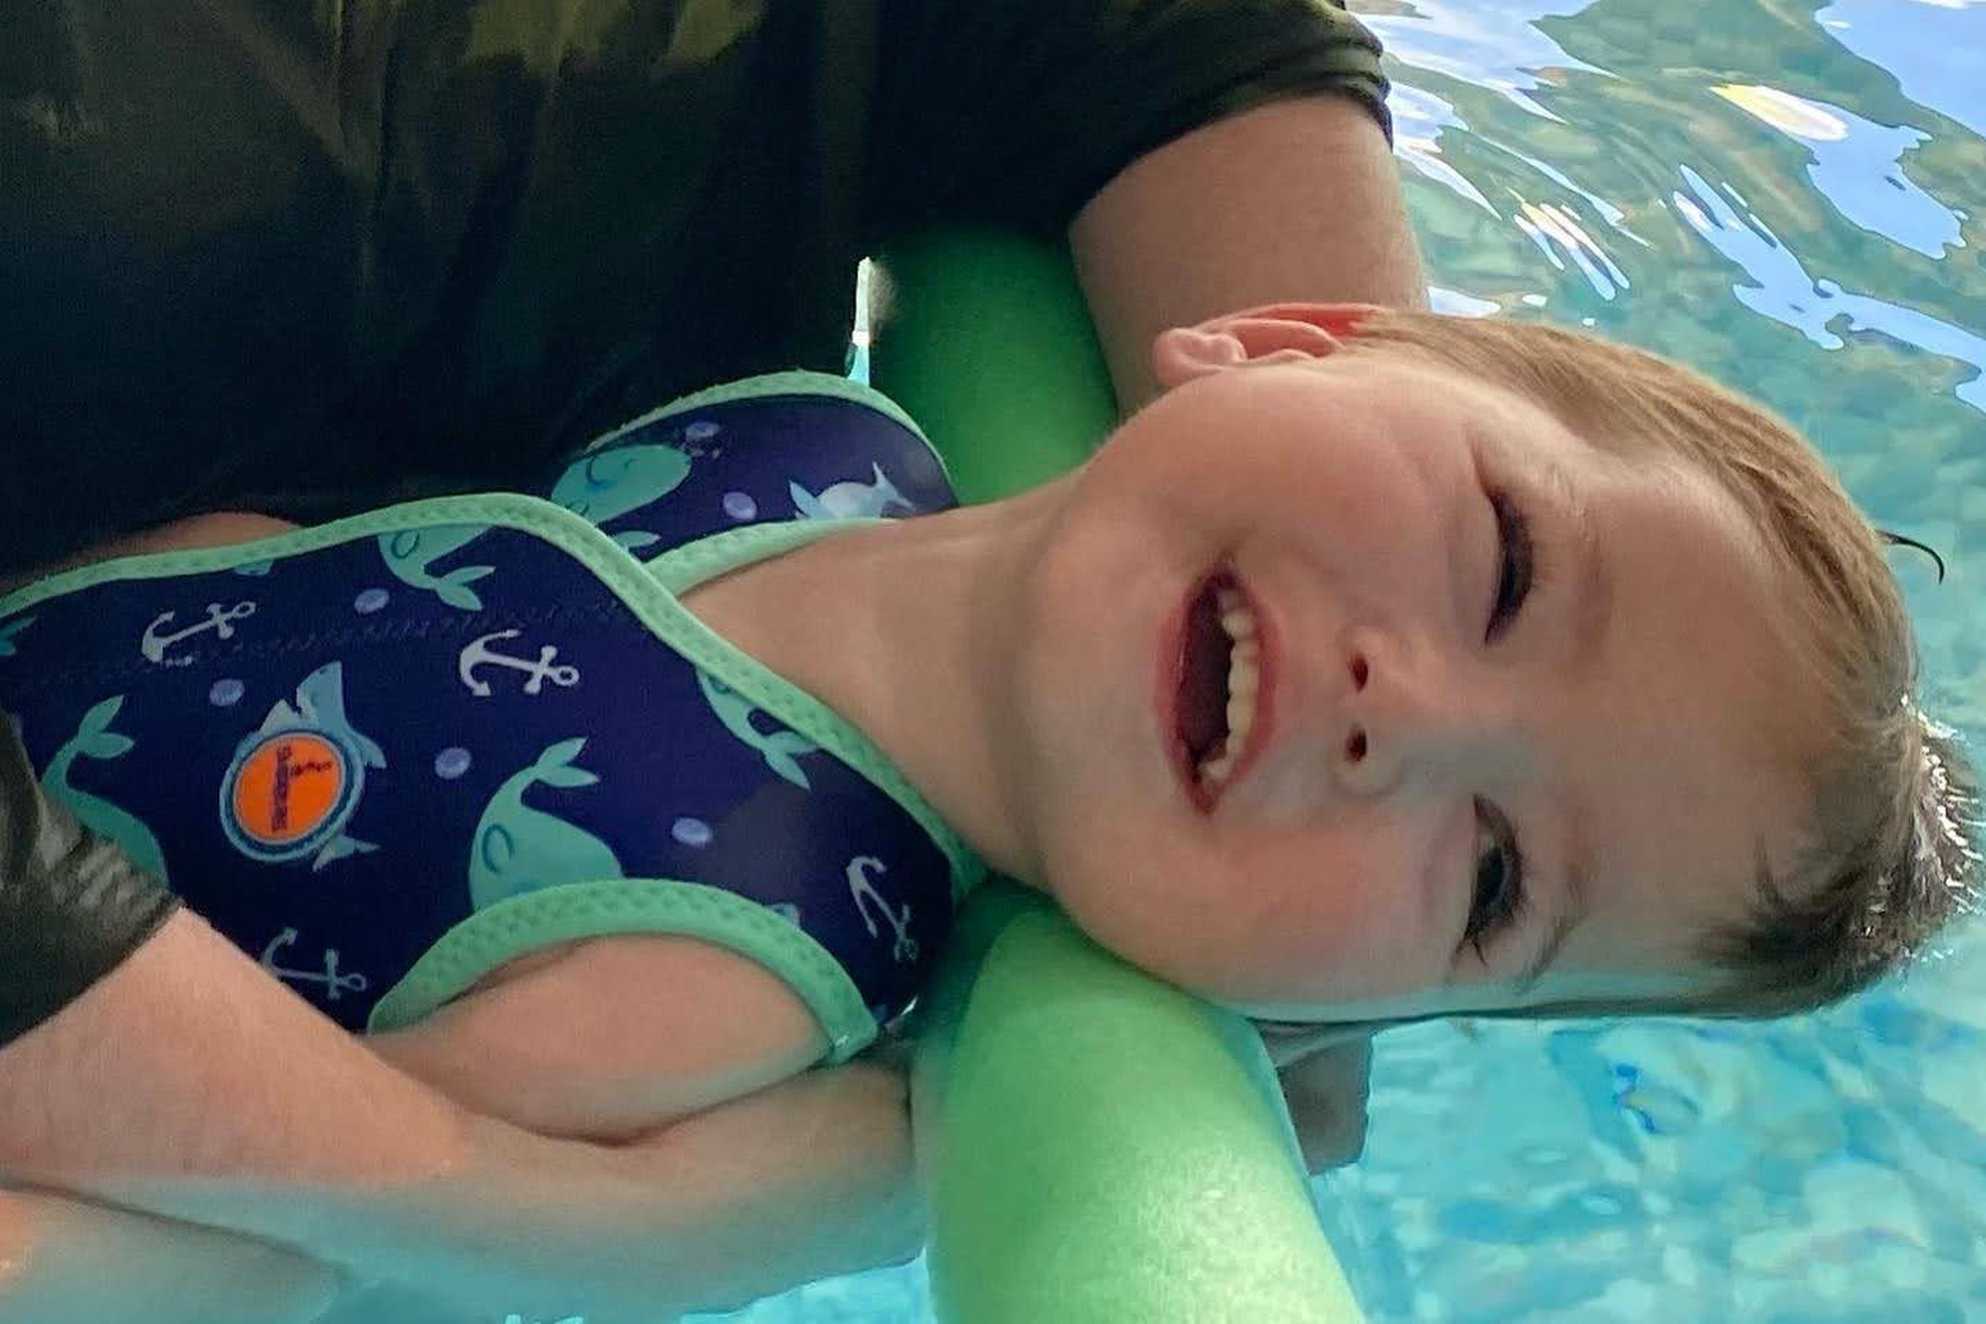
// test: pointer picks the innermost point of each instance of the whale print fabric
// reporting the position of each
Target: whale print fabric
(338, 759)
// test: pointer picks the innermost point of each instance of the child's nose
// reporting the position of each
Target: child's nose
(1409, 714)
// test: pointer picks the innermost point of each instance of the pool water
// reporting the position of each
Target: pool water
(1791, 195)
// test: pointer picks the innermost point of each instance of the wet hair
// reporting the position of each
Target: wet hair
(1890, 845)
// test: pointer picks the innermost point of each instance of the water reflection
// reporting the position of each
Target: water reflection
(1787, 294)
(1489, 43)
(1858, 165)
(1418, 119)
(1932, 46)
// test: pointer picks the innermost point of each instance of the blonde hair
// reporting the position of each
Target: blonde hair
(1893, 800)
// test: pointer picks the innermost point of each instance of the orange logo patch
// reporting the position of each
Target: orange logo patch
(286, 787)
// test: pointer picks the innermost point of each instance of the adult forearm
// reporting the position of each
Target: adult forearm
(188, 1065)
(190, 1085)
(64, 1261)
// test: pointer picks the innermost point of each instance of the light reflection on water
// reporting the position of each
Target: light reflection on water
(1788, 195)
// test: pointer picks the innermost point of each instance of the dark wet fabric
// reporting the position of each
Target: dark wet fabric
(310, 257)
(72, 905)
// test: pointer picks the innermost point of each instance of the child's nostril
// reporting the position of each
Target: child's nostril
(1355, 747)
(1358, 671)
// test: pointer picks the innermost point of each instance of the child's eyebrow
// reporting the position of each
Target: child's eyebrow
(1593, 600)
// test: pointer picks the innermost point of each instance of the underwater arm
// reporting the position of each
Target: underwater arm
(1295, 200)
(57, 1257)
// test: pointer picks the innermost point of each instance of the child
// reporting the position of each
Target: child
(1388, 666)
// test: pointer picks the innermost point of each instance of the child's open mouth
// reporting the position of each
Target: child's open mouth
(1219, 698)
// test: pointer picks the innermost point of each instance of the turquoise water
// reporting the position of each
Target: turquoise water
(1792, 196)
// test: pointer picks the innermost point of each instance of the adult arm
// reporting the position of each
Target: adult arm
(190, 1086)
(138, 1043)
(1198, 157)
(1296, 199)
(55, 1252)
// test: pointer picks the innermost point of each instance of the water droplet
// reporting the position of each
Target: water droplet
(451, 763)
(691, 831)
(701, 430)
(369, 601)
(739, 505)
(226, 692)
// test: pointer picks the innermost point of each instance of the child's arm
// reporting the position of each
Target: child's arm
(616, 1038)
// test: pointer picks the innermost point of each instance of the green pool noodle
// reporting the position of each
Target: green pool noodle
(1098, 1146)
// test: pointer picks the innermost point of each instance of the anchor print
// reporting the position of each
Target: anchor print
(479, 653)
(219, 619)
(864, 892)
(333, 981)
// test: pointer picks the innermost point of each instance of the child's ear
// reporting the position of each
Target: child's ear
(1273, 333)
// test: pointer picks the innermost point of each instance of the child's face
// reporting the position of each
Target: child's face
(1422, 717)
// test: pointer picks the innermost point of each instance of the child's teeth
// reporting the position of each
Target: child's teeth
(1244, 678)
(1236, 618)
(1240, 716)
(1243, 675)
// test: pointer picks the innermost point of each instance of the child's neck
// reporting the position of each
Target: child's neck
(906, 630)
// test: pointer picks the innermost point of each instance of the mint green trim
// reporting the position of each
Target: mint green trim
(797, 381)
(683, 568)
(205, 560)
(520, 925)
(630, 581)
